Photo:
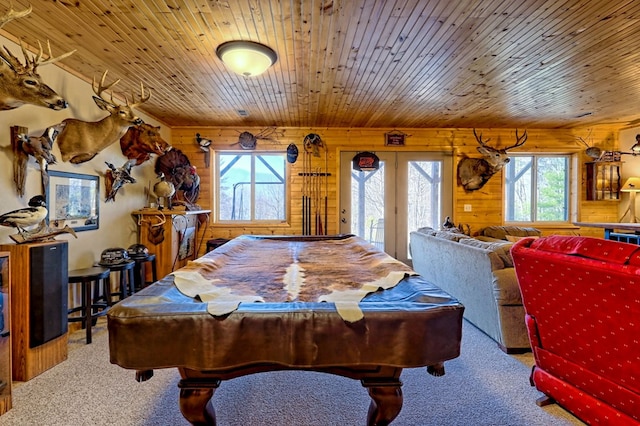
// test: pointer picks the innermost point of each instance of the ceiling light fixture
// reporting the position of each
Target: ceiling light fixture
(246, 58)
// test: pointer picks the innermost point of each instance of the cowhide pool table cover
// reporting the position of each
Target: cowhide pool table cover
(255, 304)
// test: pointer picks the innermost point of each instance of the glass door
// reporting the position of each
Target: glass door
(409, 190)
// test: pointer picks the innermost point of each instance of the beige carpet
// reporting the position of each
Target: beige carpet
(483, 386)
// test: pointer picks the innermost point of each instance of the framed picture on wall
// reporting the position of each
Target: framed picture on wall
(394, 138)
(73, 200)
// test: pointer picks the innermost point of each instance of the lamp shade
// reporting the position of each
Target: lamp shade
(246, 57)
(631, 185)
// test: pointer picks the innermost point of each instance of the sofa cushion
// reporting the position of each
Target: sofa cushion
(452, 236)
(427, 230)
(505, 287)
(501, 232)
(501, 249)
(589, 247)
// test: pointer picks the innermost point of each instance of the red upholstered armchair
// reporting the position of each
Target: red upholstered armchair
(581, 297)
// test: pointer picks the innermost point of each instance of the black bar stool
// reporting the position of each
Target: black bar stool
(91, 307)
(140, 271)
(126, 277)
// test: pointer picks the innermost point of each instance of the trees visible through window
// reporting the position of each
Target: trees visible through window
(537, 188)
(251, 187)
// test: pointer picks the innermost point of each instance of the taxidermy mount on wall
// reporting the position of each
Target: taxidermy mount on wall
(80, 141)
(473, 173)
(177, 169)
(114, 179)
(139, 142)
(21, 84)
(38, 147)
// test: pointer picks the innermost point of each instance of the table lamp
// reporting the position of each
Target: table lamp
(632, 185)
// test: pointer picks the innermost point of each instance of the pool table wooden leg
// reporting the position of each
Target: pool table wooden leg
(195, 401)
(386, 400)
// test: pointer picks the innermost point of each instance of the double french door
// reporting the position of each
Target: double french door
(409, 190)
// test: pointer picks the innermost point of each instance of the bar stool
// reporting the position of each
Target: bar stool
(140, 271)
(91, 307)
(127, 279)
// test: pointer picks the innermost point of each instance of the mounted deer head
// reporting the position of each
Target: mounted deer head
(473, 173)
(80, 141)
(21, 84)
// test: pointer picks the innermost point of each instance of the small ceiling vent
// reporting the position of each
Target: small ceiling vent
(243, 113)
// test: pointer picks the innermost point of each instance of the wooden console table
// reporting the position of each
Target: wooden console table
(179, 230)
(632, 234)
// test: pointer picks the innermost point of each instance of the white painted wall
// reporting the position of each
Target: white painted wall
(117, 227)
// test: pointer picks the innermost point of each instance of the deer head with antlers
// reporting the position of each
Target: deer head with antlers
(21, 84)
(80, 141)
(473, 173)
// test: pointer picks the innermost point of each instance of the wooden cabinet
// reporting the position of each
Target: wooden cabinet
(172, 235)
(603, 180)
(39, 295)
(5, 333)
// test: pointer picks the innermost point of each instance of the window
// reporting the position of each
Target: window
(251, 187)
(537, 188)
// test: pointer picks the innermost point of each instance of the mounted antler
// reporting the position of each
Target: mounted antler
(14, 14)
(80, 141)
(20, 84)
(473, 173)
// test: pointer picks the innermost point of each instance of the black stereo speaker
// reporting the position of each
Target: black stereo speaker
(48, 292)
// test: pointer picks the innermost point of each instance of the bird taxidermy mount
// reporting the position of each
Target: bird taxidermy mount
(204, 145)
(139, 142)
(114, 179)
(28, 217)
(38, 147)
(80, 141)
(21, 84)
(177, 169)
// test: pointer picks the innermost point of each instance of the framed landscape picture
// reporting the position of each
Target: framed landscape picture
(73, 200)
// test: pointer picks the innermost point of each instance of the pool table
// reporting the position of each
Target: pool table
(409, 324)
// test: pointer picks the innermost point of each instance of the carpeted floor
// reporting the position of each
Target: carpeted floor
(483, 386)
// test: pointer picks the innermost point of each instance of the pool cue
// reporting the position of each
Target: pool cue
(304, 192)
(319, 230)
(326, 188)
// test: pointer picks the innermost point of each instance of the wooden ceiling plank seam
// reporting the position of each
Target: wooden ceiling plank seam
(578, 83)
(385, 84)
(436, 66)
(325, 73)
(215, 85)
(387, 40)
(126, 22)
(447, 22)
(356, 61)
(571, 40)
(425, 93)
(436, 31)
(342, 70)
(80, 22)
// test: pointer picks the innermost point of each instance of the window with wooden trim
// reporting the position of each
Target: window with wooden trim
(251, 187)
(537, 188)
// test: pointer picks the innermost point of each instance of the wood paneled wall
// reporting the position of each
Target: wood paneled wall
(486, 203)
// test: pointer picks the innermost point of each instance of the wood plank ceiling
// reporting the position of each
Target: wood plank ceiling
(359, 63)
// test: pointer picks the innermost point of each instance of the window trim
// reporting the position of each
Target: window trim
(572, 190)
(215, 198)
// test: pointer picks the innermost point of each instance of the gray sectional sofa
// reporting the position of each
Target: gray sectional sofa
(479, 272)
